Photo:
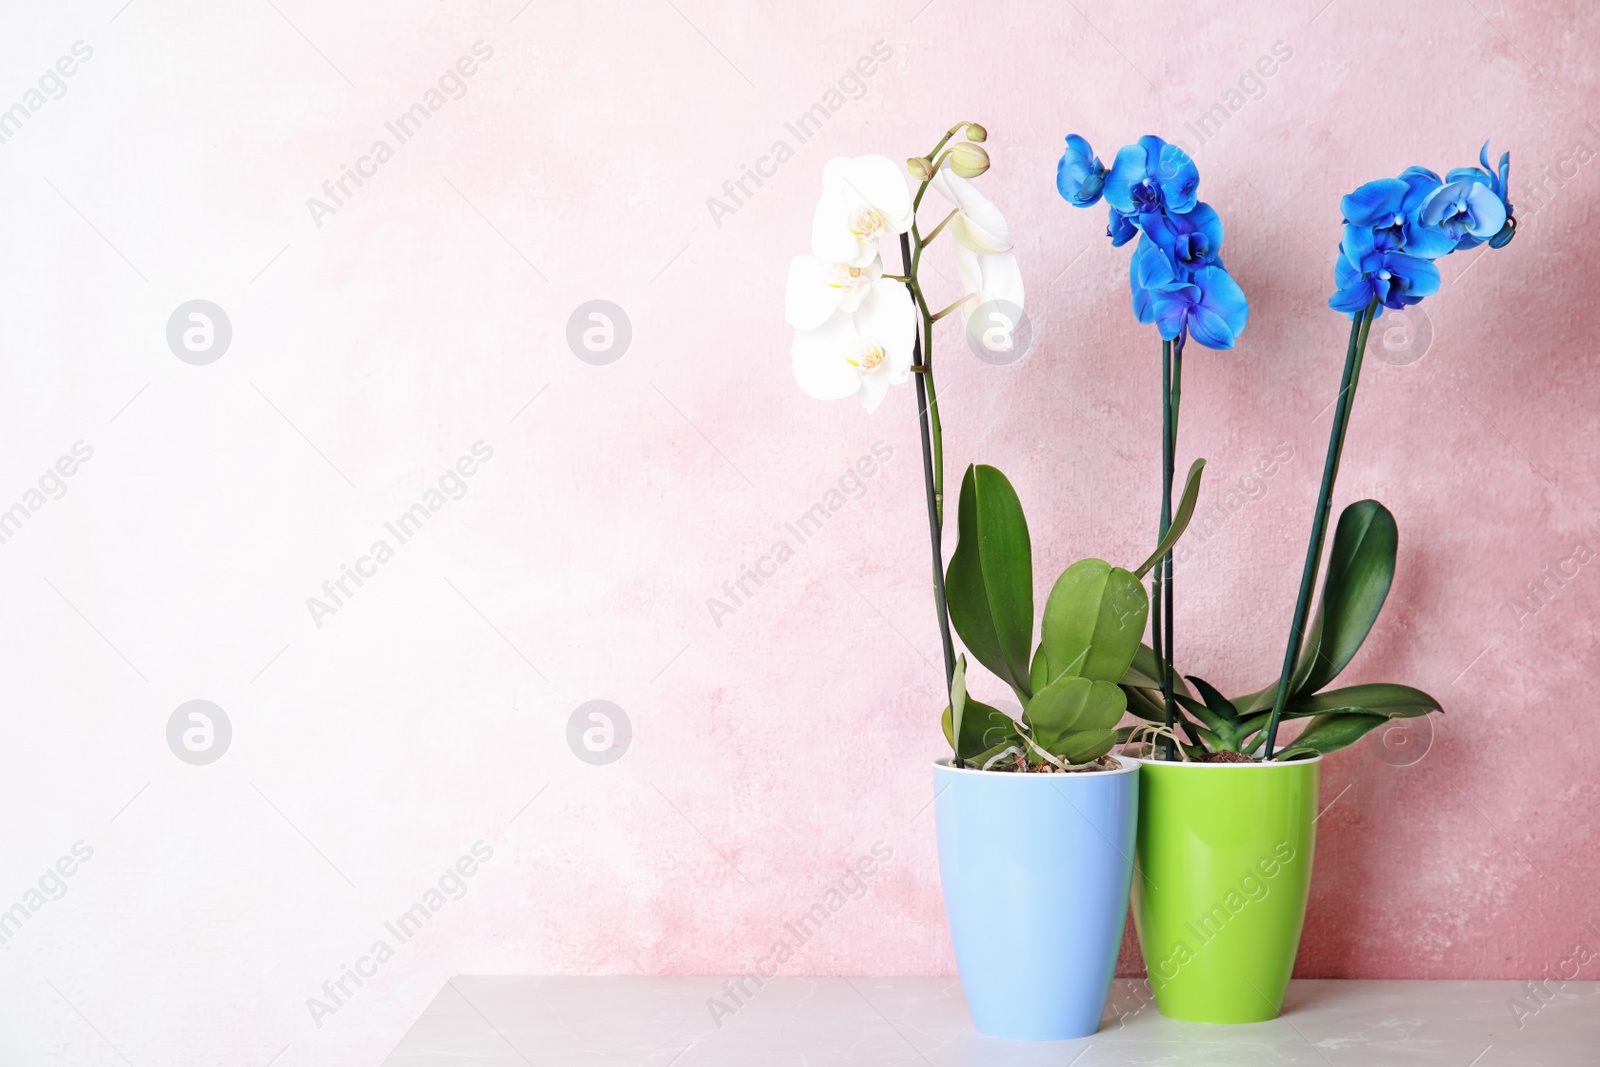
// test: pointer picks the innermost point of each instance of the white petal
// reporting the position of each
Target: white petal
(810, 298)
(888, 319)
(991, 277)
(819, 359)
(831, 239)
(980, 226)
(1002, 277)
(879, 182)
(874, 387)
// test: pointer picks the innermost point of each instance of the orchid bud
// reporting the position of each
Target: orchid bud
(967, 160)
(976, 132)
(920, 168)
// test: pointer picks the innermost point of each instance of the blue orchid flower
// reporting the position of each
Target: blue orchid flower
(1467, 210)
(1121, 228)
(1188, 241)
(1209, 305)
(1175, 274)
(1394, 279)
(1498, 179)
(1151, 177)
(1080, 176)
(1396, 227)
(1387, 214)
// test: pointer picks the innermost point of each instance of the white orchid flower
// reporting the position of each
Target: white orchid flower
(978, 224)
(817, 290)
(862, 200)
(989, 270)
(988, 278)
(860, 353)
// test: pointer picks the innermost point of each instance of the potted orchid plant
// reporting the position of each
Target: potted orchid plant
(1035, 817)
(1227, 816)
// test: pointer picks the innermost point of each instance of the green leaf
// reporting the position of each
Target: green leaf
(1145, 672)
(1388, 699)
(1329, 733)
(1180, 518)
(989, 586)
(1214, 722)
(1360, 571)
(1038, 674)
(988, 754)
(1085, 745)
(1072, 704)
(1215, 700)
(958, 700)
(1145, 703)
(1093, 620)
(982, 728)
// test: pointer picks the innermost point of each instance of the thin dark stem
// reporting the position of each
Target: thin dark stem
(926, 412)
(1172, 449)
(1319, 521)
(1161, 600)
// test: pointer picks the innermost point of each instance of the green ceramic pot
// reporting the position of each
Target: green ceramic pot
(1224, 856)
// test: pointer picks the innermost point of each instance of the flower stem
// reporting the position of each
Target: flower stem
(1172, 452)
(1161, 613)
(932, 469)
(928, 240)
(1319, 522)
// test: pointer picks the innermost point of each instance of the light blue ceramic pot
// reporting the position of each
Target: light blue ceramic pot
(1036, 871)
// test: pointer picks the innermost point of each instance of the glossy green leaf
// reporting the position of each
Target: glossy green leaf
(1215, 700)
(1359, 573)
(1085, 745)
(1072, 704)
(981, 760)
(1145, 703)
(1093, 620)
(1329, 733)
(958, 700)
(982, 728)
(1388, 699)
(989, 586)
(1180, 518)
(1213, 721)
(1145, 672)
(1038, 674)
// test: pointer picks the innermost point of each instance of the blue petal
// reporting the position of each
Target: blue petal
(1430, 242)
(1127, 170)
(1204, 219)
(1353, 300)
(1373, 203)
(1488, 211)
(1421, 276)
(1150, 267)
(1410, 174)
(1225, 306)
(1358, 243)
(1172, 309)
(1179, 178)
(1121, 229)
(1468, 174)
(1210, 329)
(1078, 183)
(1345, 274)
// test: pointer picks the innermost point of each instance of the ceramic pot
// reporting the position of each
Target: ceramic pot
(1036, 871)
(1225, 854)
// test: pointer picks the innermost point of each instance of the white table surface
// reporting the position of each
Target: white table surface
(665, 1022)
